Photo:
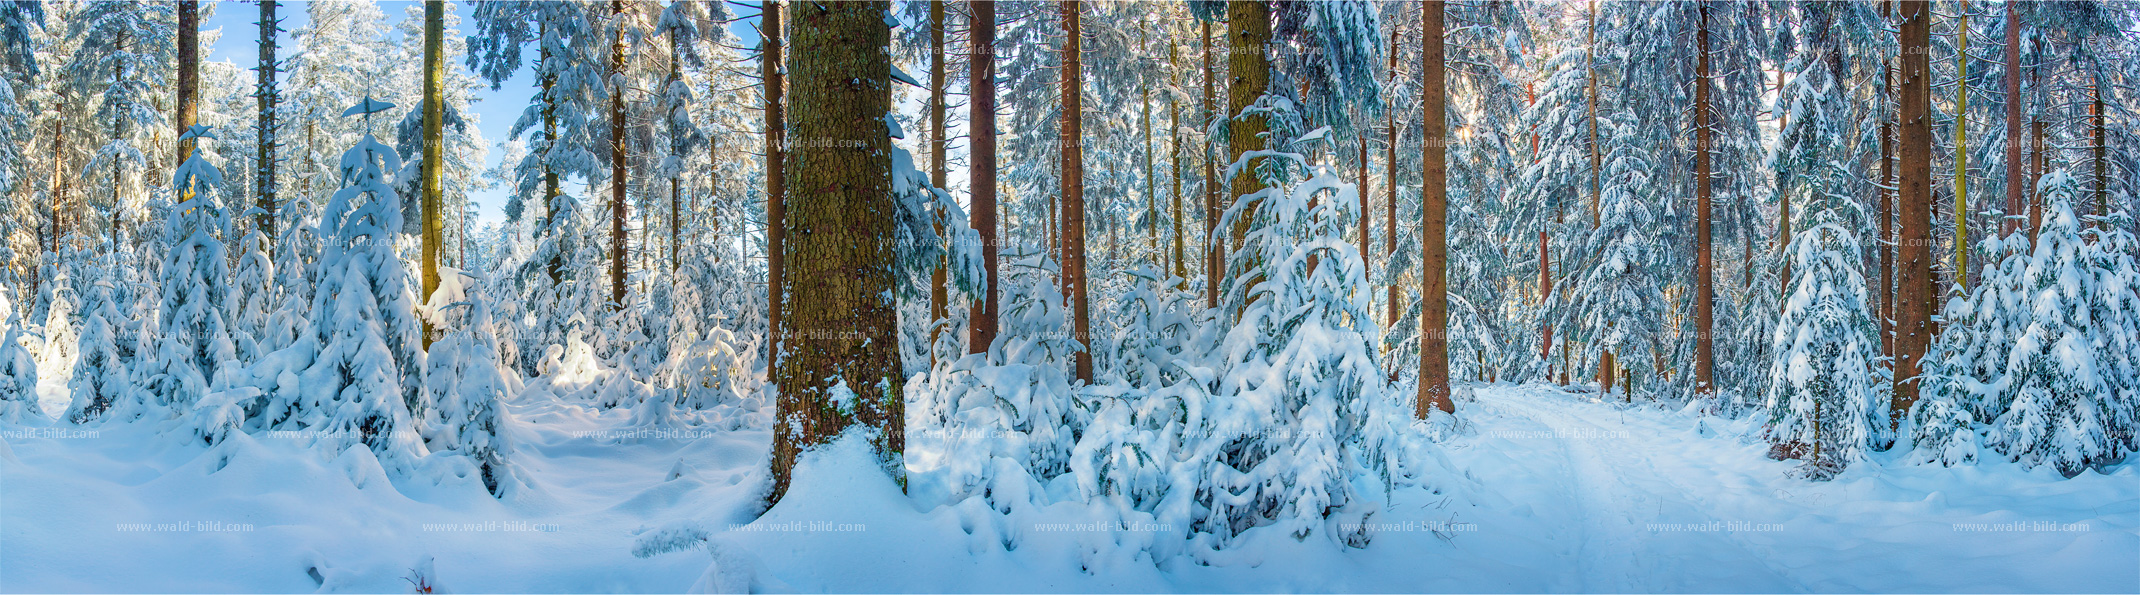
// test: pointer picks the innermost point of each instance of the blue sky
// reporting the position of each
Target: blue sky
(494, 110)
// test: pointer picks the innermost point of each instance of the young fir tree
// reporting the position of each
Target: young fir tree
(467, 384)
(1824, 394)
(194, 339)
(2070, 377)
(101, 384)
(365, 385)
(18, 371)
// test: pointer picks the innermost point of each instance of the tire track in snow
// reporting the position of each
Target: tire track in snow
(1620, 490)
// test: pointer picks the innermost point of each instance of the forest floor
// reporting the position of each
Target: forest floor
(1549, 491)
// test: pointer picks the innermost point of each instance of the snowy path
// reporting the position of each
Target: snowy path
(1546, 491)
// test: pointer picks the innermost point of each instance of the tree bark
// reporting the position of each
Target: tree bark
(1248, 29)
(189, 78)
(2014, 205)
(1214, 250)
(1181, 265)
(677, 148)
(1597, 158)
(619, 174)
(842, 314)
(265, 96)
(1961, 156)
(1433, 220)
(981, 172)
(939, 296)
(1704, 258)
(434, 148)
(1886, 209)
(2102, 174)
(1073, 233)
(1914, 289)
(1389, 179)
(552, 186)
(771, 69)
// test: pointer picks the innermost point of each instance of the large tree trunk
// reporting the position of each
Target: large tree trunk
(981, 169)
(619, 174)
(842, 314)
(1433, 218)
(939, 295)
(2014, 205)
(434, 147)
(1914, 295)
(1704, 257)
(189, 78)
(1214, 250)
(266, 95)
(1248, 29)
(771, 69)
(1073, 233)
(1886, 212)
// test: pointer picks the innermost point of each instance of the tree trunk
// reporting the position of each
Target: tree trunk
(842, 314)
(1886, 212)
(1151, 183)
(981, 171)
(1214, 250)
(1248, 29)
(1433, 219)
(1366, 239)
(1914, 294)
(434, 147)
(266, 95)
(1389, 179)
(770, 69)
(1961, 156)
(1073, 233)
(676, 148)
(1181, 265)
(2014, 205)
(189, 79)
(1597, 159)
(1704, 259)
(939, 296)
(619, 176)
(2102, 175)
(552, 186)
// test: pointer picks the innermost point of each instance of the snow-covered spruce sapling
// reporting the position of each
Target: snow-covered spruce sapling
(1824, 399)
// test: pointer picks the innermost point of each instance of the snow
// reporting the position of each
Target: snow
(1540, 489)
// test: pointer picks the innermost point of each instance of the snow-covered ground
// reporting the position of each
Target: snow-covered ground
(1549, 491)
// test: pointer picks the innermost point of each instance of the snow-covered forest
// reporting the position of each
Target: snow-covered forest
(1151, 295)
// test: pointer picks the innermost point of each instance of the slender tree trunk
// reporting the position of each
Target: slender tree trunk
(843, 314)
(2043, 161)
(939, 296)
(771, 67)
(434, 147)
(1914, 290)
(189, 78)
(1366, 244)
(118, 131)
(1433, 220)
(1597, 159)
(1214, 250)
(981, 171)
(1248, 29)
(1151, 183)
(552, 187)
(677, 148)
(619, 174)
(1181, 265)
(1389, 178)
(1073, 233)
(1704, 259)
(2014, 205)
(2102, 174)
(266, 94)
(1961, 156)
